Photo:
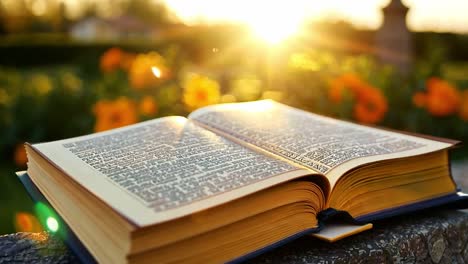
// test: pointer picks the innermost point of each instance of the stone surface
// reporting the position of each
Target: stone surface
(34, 248)
(429, 237)
(460, 173)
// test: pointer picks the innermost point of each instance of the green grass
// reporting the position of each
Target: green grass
(13, 199)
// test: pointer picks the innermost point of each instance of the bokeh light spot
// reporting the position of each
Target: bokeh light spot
(52, 224)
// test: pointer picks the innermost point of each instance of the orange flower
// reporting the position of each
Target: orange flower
(20, 155)
(113, 114)
(335, 93)
(463, 113)
(148, 106)
(442, 98)
(371, 106)
(419, 99)
(127, 61)
(341, 84)
(200, 91)
(26, 222)
(353, 81)
(110, 60)
(147, 70)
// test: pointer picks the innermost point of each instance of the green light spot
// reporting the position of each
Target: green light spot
(52, 224)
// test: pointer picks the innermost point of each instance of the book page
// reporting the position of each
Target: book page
(335, 231)
(165, 168)
(319, 143)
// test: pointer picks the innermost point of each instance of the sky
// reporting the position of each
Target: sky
(424, 15)
(436, 15)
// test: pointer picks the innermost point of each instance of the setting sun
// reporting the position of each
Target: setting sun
(272, 29)
(270, 21)
(276, 22)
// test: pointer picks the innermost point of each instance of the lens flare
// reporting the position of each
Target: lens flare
(47, 217)
(52, 224)
(156, 71)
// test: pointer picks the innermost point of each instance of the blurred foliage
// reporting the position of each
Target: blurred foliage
(14, 199)
(48, 103)
(56, 16)
(38, 49)
(120, 86)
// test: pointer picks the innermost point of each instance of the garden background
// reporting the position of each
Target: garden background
(63, 76)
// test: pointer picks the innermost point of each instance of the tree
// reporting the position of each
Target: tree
(149, 11)
(2, 19)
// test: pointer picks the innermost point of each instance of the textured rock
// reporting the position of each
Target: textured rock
(460, 173)
(430, 237)
(34, 248)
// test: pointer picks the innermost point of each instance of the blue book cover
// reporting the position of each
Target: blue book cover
(65, 232)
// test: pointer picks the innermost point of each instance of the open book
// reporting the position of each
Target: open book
(232, 179)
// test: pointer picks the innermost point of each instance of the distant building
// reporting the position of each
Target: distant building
(130, 26)
(124, 27)
(393, 39)
(92, 28)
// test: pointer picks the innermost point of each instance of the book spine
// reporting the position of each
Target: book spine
(65, 233)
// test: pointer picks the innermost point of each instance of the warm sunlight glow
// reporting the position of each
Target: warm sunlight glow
(39, 7)
(257, 106)
(273, 31)
(260, 106)
(274, 20)
(271, 21)
(277, 20)
(179, 120)
(156, 71)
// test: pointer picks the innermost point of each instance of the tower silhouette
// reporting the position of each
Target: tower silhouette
(393, 39)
